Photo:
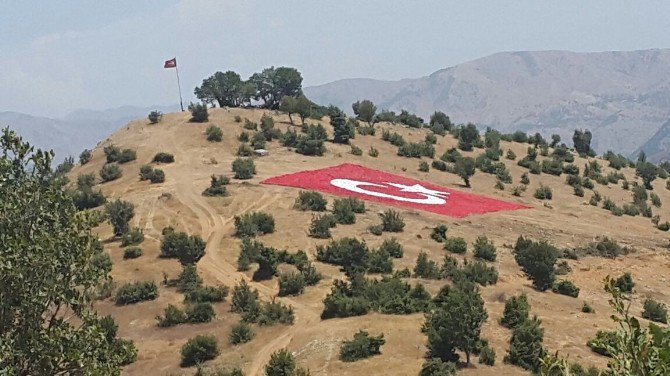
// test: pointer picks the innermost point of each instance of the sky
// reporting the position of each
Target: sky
(57, 56)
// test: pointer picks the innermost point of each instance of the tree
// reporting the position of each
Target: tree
(155, 116)
(537, 261)
(41, 230)
(223, 89)
(582, 141)
(272, 84)
(119, 213)
(288, 105)
(362, 346)
(465, 168)
(199, 349)
(282, 363)
(456, 324)
(525, 346)
(555, 139)
(440, 120)
(85, 157)
(648, 172)
(199, 113)
(339, 123)
(468, 137)
(365, 111)
(303, 107)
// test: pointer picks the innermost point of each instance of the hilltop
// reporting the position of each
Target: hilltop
(622, 97)
(566, 221)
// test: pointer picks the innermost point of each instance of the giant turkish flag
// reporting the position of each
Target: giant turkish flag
(379, 186)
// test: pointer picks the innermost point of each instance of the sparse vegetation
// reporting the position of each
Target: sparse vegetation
(252, 224)
(244, 168)
(135, 292)
(362, 346)
(392, 221)
(310, 200)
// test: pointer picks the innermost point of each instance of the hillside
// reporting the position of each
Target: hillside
(622, 97)
(566, 221)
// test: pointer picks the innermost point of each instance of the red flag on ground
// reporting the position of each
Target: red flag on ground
(172, 63)
(384, 188)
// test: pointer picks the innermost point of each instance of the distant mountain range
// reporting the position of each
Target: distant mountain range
(622, 97)
(76, 131)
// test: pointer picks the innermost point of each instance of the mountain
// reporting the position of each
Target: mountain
(622, 97)
(78, 130)
(657, 148)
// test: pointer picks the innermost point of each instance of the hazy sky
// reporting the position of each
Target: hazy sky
(56, 56)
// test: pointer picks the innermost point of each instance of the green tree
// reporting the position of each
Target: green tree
(647, 172)
(468, 137)
(282, 363)
(85, 157)
(119, 214)
(288, 105)
(303, 107)
(199, 349)
(365, 111)
(465, 168)
(339, 123)
(582, 141)
(272, 84)
(223, 89)
(456, 324)
(41, 230)
(537, 261)
(525, 346)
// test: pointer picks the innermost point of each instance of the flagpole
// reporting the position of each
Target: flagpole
(181, 102)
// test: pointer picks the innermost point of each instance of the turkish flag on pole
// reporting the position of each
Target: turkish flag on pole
(172, 63)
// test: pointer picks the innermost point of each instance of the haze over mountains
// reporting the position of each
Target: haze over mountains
(622, 97)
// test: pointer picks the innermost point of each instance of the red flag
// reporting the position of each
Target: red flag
(172, 63)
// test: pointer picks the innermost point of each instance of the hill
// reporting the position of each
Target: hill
(622, 97)
(567, 221)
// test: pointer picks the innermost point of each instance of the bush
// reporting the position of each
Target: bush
(392, 221)
(518, 190)
(423, 166)
(543, 193)
(250, 125)
(602, 341)
(321, 225)
(163, 158)
(217, 186)
(200, 312)
(437, 367)
(451, 155)
(132, 253)
(188, 249)
(655, 311)
(85, 157)
(416, 150)
(132, 237)
(272, 313)
(479, 272)
(349, 253)
(439, 165)
(537, 260)
(119, 214)
(361, 346)
(155, 117)
(171, 316)
(374, 153)
(487, 356)
(244, 168)
(439, 233)
(199, 349)
(240, 333)
(244, 150)
(157, 176)
(135, 292)
(484, 249)
(310, 200)
(586, 308)
(664, 226)
(252, 224)
(566, 287)
(214, 134)
(426, 268)
(109, 172)
(243, 137)
(355, 150)
(376, 229)
(291, 284)
(392, 247)
(199, 112)
(516, 311)
(455, 245)
(200, 294)
(258, 141)
(525, 347)
(343, 212)
(625, 283)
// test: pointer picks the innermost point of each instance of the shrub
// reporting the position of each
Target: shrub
(132, 253)
(250, 125)
(423, 166)
(240, 333)
(510, 155)
(200, 312)
(525, 179)
(157, 176)
(455, 245)
(625, 283)
(392, 221)
(282, 363)
(87, 198)
(586, 308)
(355, 150)
(437, 367)
(484, 249)
(451, 155)
(479, 272)
(518, 190)
(132, 237)
(258, 141)
(349, 253)
(214, 134)
(537, 260)
(378, 261)
(465, 168)
(562, 268)
(416, 150)
(516, 311)
(291, 284)
(163, 158)
(439, 165)
(272, 313)
(392, 247)
(378, 229)
(199, 112)
(199, 349)
(244, 299)
(237, 119)
(145, 172)
(155, 117)
(310, 200)
(244, 168)
(605, 248)
(655, 200)
(543, 193)
(487, 356)
(525, 348)
(665, 226)
(655, 311)
(343, 211)
(171, 316)
(426, 268)
(321, 225)
(244, 150)
(109, 172)
(578, 191)
(119, 214)
(188, 249)
(361, 346)
(201, 294)
(252, 224)
(135, 292)
(439, 233)
(374, 153)
(85, 157)
(566, 287)
(217, 186)
(243, 137)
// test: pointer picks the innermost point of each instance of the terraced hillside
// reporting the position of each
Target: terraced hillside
(567, 221)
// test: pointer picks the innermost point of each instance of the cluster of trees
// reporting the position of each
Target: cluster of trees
(227, 89)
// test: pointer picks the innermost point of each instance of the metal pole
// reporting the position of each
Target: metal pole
(181, 102)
